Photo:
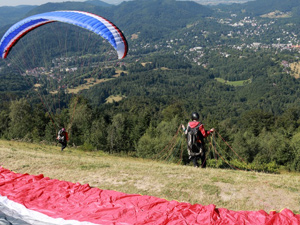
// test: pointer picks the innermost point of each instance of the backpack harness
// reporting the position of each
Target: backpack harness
(194, 140)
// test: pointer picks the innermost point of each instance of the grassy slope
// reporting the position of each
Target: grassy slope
(235, 190)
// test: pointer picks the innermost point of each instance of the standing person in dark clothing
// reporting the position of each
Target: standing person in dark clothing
(63, 138)
(196, 133)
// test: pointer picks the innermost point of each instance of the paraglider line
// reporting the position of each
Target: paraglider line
(17, 38)
(232, 149)
(170, 143)
(215, 150)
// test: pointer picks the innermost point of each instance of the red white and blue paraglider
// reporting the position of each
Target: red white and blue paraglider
(89, 21)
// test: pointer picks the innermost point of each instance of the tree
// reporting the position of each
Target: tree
(40, 120)
(117, 138)
(157, 138)
(21, 119)
(275, 147)
(295, 146)
(289, 120)
(255, 120)
(98, 134)
(80, 117)
(4, 122)
(246, 146)
(173, 110)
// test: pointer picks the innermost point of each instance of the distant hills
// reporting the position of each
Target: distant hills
(9, 15)
(82, 6)
(149, 17)
(169, 14)
(98, 3)
(260, 7)
(152, 20)
(144, 17)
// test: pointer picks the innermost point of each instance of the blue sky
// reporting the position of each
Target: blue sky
(40, 2)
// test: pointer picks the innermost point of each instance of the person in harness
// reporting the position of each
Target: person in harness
(63, 138)
(195, 134)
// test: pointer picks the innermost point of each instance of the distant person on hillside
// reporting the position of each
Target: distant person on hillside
(195, 134)
(63, 138)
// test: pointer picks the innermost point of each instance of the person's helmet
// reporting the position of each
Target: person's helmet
(195, 116)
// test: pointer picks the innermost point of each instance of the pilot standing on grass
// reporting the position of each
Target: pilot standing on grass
(63, 138)
(195, 134)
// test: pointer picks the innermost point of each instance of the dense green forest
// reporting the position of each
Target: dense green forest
(232, 67)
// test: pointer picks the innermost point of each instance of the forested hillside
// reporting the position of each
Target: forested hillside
(236, 66)
(9, 15)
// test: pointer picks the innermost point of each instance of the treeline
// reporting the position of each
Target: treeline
(12, 82)
(260, 120)
(143, 127)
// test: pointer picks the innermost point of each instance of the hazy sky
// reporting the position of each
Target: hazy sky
(40, 2)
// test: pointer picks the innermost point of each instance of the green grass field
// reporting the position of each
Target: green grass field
(234, 83)
(231, 189)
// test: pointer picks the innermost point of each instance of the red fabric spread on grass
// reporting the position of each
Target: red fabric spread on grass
(61, 199)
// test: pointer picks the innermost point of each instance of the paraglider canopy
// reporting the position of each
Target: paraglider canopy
(91, 22)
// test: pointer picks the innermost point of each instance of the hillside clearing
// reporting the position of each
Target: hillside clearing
(114, 98)
(234, 83)
(235, 190)
(277, 14)
(295, 67)
(90, 82)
